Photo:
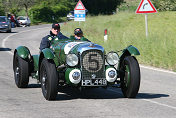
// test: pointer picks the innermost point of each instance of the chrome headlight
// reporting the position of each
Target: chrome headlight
(72, 60)
(112, 58)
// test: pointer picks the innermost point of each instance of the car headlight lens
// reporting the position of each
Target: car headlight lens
(72, 60)
(112, 58)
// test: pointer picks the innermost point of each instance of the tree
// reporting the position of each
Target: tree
(96, 7)
(14, 6)
(165, 5)
(1, 9)
(26, 4)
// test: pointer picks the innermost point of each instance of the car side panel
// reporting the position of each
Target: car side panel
(36, 62)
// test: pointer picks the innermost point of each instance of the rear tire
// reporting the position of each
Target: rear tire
(21, 71)
(130, 77)
(49, 79)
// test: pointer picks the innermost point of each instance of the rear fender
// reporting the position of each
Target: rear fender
(23, 52)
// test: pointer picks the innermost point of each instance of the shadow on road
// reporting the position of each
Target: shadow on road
(8, 32)
(5, 49)
(34, 86)
(70, 93)
(150, 95)
(93, 93)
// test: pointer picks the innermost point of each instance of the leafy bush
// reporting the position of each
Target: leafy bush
(96, 7)
(60, 11)
(47, 12)
(1, 11)
(128, 6)
(165, 5)
(41, 14)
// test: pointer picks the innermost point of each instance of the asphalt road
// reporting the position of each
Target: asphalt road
(156, 98)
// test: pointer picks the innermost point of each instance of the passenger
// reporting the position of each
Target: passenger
(54, 34)
(78, 35)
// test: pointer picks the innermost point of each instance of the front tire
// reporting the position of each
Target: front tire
(49, 79)
(130, 77)
(21, 71)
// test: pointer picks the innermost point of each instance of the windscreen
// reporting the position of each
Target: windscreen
(3, 19)
(22, 18)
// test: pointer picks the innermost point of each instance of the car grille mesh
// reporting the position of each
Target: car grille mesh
(92, 64)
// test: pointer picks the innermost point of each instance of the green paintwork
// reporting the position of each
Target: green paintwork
(58, 47)
(133, 50)
(36, 62)
(128, 50)
(67, 72)
(23, 52)
(108, 66)
(48, 53)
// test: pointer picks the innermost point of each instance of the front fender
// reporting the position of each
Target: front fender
(22, 51)
(133, 50)
(48, 53)
(130, 51)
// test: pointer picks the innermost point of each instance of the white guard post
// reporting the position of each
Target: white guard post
(105, 35)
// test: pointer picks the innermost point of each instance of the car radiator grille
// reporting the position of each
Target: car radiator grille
(92, 64)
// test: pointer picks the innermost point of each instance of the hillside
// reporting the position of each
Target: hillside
(128, 28)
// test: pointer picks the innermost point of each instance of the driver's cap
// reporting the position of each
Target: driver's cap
(78, 31)
(56, 26)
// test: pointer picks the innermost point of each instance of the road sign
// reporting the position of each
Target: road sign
(79, 15)
(80, 6)
(146, 6)
(79, 12)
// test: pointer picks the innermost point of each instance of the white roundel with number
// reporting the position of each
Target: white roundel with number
(69, 46)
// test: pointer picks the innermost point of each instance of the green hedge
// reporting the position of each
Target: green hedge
(161, 5)
(47, 12)
(2, 13)
(41, 14)
(165, 5)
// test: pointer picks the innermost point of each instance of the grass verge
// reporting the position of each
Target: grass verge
(128, 28)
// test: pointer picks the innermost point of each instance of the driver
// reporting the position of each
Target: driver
(55, 34)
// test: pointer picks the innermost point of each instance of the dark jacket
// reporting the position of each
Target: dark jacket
(61, 36)
(46, 41)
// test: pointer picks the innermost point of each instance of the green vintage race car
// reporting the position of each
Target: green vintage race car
(80, 64)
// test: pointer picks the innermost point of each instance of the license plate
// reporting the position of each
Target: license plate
(94, 82)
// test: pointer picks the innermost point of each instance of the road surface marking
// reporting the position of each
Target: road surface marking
(157, 69)
(151, 101)
(4, 40)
